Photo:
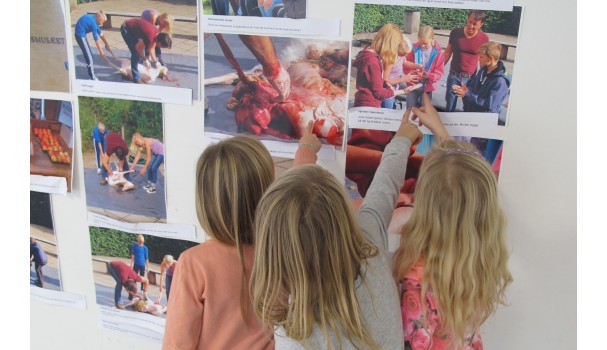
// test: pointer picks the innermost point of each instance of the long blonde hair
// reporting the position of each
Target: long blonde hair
(310, 250)
(165, 23)
(134, 148)
(457, 230)
(387, 43)
(231, 177)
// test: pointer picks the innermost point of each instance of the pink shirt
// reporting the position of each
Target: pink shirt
(204, 307)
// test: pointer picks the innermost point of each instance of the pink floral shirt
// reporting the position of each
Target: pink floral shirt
(431, 337)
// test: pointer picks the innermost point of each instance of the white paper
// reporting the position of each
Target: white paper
(132, 323)
(177, 231)
(140, 92)
(457, 124)
(276, 148)
(48, 184)
(55, 297)
(270, 25)
(497, 5)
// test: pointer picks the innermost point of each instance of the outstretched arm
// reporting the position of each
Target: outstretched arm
(100, 48)
(162, 268)
(140, 48)
(309, 145)
(428, 116)
(105, 161)
(148, 155)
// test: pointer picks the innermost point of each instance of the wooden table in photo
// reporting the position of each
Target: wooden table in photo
(40, 164)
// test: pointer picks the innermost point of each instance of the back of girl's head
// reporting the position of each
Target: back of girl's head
(231, 177)
(387, 42)
(457, 229)
(426, 32)
(310, 248)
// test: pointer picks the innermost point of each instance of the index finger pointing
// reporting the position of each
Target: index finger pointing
(309, 127)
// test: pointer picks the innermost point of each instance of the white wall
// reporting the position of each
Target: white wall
(537, 183)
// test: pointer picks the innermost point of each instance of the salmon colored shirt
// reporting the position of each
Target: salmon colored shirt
(204, 307)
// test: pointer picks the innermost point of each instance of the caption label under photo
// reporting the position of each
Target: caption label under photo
(270, 25)
(457, 124)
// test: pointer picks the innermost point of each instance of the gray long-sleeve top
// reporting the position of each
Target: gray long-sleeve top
(378, 295)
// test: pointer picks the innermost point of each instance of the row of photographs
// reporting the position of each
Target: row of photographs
(123, 155)
(107, 51)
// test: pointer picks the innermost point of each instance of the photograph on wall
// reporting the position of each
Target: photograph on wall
(152, 43)
(133, 275)
(363, 156)
(51, 145)
(49, 69)
(463, 58)
(123, 159)
(294, 9)
(44, 260)
(271, 87)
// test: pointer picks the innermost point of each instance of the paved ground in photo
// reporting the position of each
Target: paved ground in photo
(46, 239)
(105, 283)
(131, 206)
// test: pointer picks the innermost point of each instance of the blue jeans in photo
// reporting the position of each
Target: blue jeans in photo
(131, 41)
(155, 163)
(388, 102)
(450, 96)
(140, 270)
(169, 280)
(118, 288)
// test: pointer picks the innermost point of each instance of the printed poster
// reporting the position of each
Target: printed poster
(51, 145)
(123, 159)
(45, 269)
(153, 259)
(271, 87)
(363, 156)
(49, 69)
(459, 78)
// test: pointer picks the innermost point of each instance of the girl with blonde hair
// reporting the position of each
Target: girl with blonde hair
(167, 266)
(322, 276)
(373, 65)
(154, 157)
(452, 259)
(211, 306)
(428, 54)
